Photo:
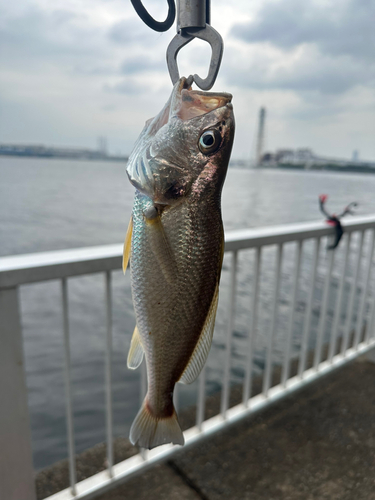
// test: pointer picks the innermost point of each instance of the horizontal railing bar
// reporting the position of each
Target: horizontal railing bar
(249, 238)
(99, 483)
(42, 266)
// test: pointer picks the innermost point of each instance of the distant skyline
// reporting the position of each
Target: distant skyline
(71, 71)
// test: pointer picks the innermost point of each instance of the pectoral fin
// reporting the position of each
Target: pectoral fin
(127, 245)
(136, 351)
(162, 249)
(202, 348)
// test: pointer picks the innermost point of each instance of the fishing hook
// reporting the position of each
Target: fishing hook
(334, 220)
(186, 35)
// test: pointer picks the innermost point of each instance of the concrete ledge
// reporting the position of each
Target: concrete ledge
(318, 444)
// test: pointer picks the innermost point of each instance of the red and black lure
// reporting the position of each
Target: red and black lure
(334, 220)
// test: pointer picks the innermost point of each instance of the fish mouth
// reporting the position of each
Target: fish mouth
(148, 167)
(187, 103)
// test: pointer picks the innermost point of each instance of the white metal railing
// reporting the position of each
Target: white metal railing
(16, 457)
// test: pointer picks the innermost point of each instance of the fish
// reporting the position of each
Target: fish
(175, 244)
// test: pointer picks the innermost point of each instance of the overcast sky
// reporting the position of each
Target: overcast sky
(73, 70)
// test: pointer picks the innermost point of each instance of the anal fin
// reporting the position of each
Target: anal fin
(136, 351)
(127, 245)
(202, 348)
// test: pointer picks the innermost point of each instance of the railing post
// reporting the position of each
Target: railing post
(225, 393)
(16, 466)
(370, 356)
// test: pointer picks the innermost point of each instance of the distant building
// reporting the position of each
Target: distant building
(40, 151)
(305, 158)
(283, 153)
(302, 157)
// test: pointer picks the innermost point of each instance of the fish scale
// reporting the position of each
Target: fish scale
(197, 262)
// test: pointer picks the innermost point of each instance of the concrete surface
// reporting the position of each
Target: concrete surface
(318, 444)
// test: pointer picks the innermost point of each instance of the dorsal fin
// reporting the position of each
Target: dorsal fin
(202, 348)
(136, 351)
(127, 245)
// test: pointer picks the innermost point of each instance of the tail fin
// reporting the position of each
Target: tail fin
(149, 432)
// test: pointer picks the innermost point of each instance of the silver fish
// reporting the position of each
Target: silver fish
(175, 243)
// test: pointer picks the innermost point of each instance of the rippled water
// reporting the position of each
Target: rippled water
(56, 204)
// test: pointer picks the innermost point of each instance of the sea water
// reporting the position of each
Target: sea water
(52, 204)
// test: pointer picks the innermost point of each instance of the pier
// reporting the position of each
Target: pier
(316, 444)
(223, 426)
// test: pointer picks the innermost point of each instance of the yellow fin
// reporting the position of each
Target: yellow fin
(136, 352)
(127, 245)
(202, 348)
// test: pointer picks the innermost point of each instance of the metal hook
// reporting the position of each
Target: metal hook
(186, 35)
(193, 18)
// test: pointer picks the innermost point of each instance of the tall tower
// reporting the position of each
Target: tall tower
(260, 137)
(355, 156)
(102, 145)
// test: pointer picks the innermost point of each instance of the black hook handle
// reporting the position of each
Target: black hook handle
(150, 21)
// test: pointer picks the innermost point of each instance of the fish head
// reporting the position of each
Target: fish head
(185, 148)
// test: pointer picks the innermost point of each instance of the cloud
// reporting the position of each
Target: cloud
(125, 32)
(305, 46)
(57, 35)
(303, 70)
(129, 33)
(73, 70)
(337, 28)
(126, 86)
(142, 64)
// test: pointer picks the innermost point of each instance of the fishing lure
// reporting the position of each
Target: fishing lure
(334, 220)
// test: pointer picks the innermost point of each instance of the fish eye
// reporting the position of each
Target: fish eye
(209, 141)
